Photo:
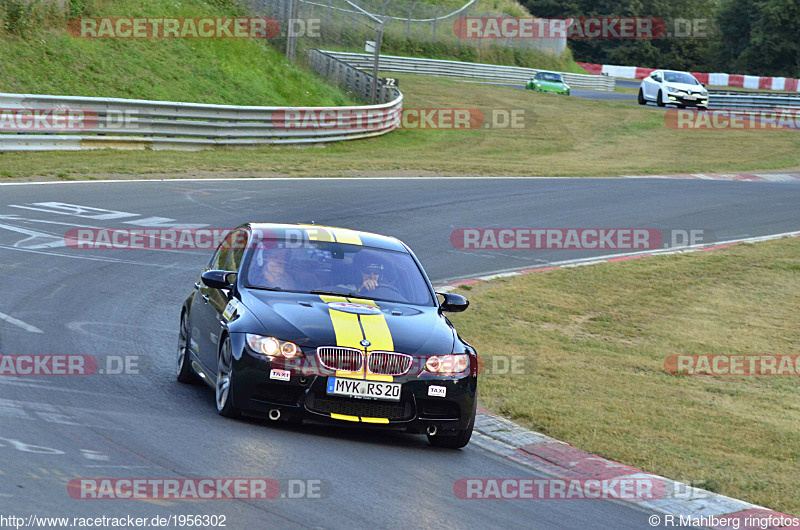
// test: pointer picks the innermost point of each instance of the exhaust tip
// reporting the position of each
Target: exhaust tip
(274, 414)
(432, 430)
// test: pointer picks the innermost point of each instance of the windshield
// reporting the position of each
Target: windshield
(678, 77)
(548, 76)
(321, 267)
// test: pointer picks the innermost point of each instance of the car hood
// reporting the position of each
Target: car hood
(312, 321)
(684, 86)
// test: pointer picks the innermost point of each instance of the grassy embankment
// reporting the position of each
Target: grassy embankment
(593, 342)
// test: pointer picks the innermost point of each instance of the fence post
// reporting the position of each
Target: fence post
(408, 25)
(436, 21)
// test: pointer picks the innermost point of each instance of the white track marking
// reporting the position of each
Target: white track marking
(94, 258)
(20, 323)
(87, 212)
(55, 241)
(442, 285)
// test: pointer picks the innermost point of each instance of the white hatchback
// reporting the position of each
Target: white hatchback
(678, 88)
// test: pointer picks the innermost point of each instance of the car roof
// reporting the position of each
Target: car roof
(677, 72)
(332, 233)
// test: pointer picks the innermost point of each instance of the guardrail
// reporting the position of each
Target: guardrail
(726, 92)
(459, 69)
(34, 122)
(740, 101)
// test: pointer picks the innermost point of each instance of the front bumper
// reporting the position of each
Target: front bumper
(681, 99)
(304, 397)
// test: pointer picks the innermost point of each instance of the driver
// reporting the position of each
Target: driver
(370, 276)
(272, 265)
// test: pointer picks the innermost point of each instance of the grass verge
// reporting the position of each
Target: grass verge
(561, 137)
(40, 57)
(593, 341)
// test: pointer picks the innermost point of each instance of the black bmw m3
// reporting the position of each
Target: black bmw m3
(320, 324)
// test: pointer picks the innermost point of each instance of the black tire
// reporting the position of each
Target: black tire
(641, 99)
(223, 387)
(658, 100)
(184, 363)
(453, 441)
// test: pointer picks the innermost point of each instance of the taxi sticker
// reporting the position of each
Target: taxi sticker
(280, 375)
(437, 391)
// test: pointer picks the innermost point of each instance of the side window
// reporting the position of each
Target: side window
(230, 252)
(239, 246)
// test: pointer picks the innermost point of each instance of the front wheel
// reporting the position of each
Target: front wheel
(185, 373)
(224, 386)
(641, 99)
(659, 100)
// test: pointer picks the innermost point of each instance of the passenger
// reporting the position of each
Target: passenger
(273, 269)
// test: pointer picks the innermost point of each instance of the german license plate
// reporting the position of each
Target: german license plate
(689, 98)
(364, 389)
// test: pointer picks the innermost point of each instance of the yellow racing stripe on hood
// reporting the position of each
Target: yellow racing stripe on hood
(376, 330)
(345, 325)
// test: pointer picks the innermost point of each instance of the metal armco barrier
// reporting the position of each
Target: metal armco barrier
(31, 122)
(487, 72)
(755, 101)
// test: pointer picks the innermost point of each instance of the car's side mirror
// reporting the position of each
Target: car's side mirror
(454, 303)
(703, 85)
(219, 279)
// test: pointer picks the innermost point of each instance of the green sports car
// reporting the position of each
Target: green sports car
(548, 82)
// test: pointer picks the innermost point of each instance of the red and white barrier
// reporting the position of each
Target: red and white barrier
(731, 80)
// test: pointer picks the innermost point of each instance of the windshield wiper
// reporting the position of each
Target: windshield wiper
(351, 294)
(260, 288)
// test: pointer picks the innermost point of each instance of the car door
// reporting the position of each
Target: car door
(651, 87)
(206, 311)
(218, 299)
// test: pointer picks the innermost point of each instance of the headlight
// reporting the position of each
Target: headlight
(272, 347)
(538, 84)
(447, 364)
(672, 90)
(566, 86)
